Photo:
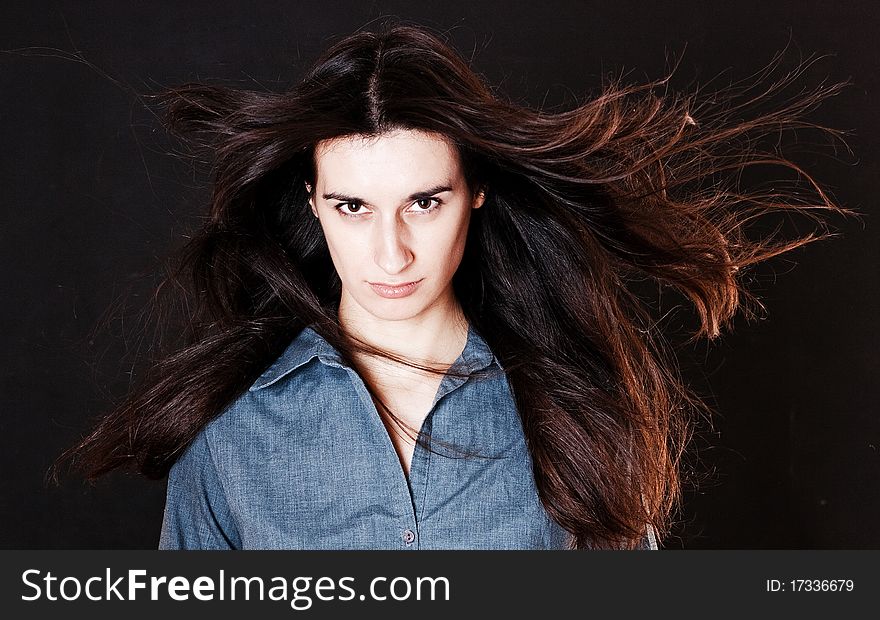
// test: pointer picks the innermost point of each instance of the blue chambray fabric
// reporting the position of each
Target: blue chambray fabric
(303, 461)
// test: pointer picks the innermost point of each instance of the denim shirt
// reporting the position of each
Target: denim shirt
(302, 460)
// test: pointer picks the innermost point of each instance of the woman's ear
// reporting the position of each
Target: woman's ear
(480, 198)
(311, 202)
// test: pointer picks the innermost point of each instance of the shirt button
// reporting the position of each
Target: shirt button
(408, 536)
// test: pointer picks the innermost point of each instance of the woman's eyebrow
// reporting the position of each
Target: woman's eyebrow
(412, 197)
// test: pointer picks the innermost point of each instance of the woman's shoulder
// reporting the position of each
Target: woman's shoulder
(283, 389)
(308, 345)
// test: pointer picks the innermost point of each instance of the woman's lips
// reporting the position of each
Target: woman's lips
(395, 291)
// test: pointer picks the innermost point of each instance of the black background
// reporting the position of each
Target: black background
(92, 201)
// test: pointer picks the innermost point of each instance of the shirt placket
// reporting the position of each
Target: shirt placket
(423, 458)
(400, 488)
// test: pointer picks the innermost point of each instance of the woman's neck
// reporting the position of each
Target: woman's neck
(436, 336)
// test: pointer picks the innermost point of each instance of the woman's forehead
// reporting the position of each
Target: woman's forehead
(414, 156)
(383, 144)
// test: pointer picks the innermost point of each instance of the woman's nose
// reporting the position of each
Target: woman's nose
(392, 250)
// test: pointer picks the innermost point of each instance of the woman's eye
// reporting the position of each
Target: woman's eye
(350, 208)
(427, 204)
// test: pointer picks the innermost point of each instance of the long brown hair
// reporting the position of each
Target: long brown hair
(636, 184)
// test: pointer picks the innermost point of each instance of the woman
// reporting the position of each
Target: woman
(412, 323)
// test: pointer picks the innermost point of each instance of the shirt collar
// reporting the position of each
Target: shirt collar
(308, 345)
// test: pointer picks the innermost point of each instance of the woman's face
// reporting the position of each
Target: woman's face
(395, 211)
